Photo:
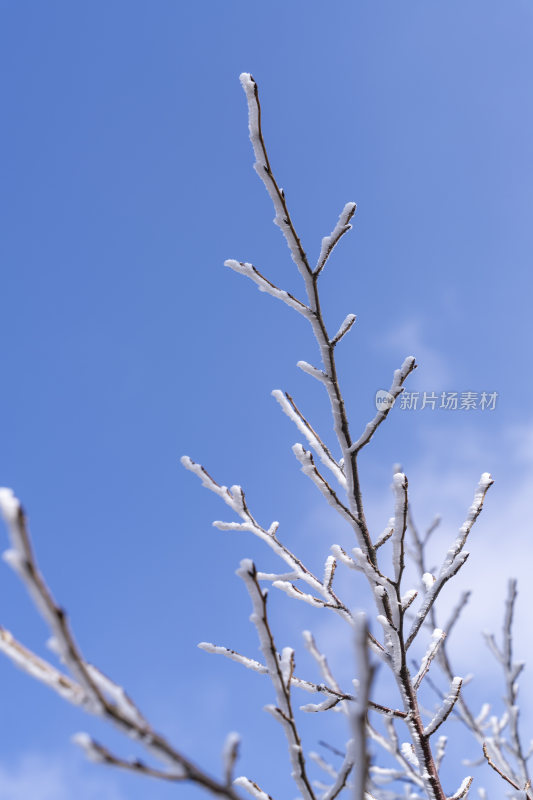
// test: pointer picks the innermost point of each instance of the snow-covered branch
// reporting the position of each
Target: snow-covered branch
(280, 677)
(436, 641)
(235, 499)
(401, 612)
(262, 167)
(264, 285)
(365, 672)
(400, 376)
(400, 526)
(252, 788)
(292, 411)
(346, 326)
(88, 687)
(329, 242)
(518, 776)
(455, 557)
(446, 708)
(308, 468)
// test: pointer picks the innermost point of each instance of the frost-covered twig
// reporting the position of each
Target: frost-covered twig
(346, 326)
(96, 693)
(419, 553)
(249, 663)
(400, 376)
(505, 777)
(400, 526)
(309, 469)
(488, 731)
(343, 773)
(100, 754)
(235, 499)
(263, 169)
(21, 559)
(512, 671)
(281, 679)
(519, 775)
(462, 791)
(329, 375)
(329, 242)
(335, 695)
(42, 670)
(385, 535)
(455, 557)
(391, 745)
(230, 754)
(436, 641)
(365, 675)
(321, 661)
(293, 412)
(252, 788)
(446, 708)
(264, 285)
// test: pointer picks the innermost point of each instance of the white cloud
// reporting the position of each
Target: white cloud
(42, 777)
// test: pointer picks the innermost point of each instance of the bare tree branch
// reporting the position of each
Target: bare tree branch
(359, 714)
(293, 412)
(90, 688)
(418, 761)
(455, 556)
(329, 242)
(279, 675)
(396, 389)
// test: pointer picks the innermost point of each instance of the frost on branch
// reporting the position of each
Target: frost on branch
(410, 754)
(289, 407)
(87, 686)
(252, 788)
(329, 242)
(400, 376)
(280, 669)
(264, 285)
(455, 557)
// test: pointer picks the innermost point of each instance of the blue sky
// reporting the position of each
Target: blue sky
(126, 181)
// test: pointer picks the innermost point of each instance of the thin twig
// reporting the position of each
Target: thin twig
(281, 680)
(455, 557)
(329, 242)
(293, 412)
(365, 672)
(505, 777)
(400, 376)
